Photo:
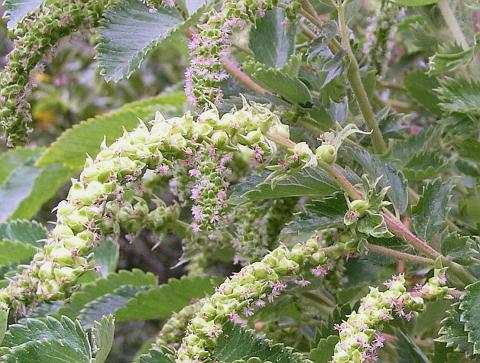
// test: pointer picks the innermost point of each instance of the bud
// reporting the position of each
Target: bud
(360, 206)
(326, 153)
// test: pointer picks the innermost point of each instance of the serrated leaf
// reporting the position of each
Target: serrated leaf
(107, 304)
(405, 150)
(469, 149)
(102, 338)
(16, 10)
(162, 301)
(105, 255)
(421, 88)
(14, 252)
(424, 166)
(104, 286)
(45, 351)
(376, 167)
(449, 57)
(453, 332)
(71, 147)
(460, 95)
(271, 41)
(318, 215)
(236, 343)
(324, 351)
(128, 32)
(27, 187)
(430, 213)
(461, 249)
(49, 329)
(311, 182)
(408, 351)
(470, 315)
(24, 231)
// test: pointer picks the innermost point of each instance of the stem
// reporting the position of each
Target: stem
(242, 77)
(400, 230)
(353, 74)
(399, 255)
(452, 23)
(355, 80)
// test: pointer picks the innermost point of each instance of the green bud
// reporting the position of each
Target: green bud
(326, 153)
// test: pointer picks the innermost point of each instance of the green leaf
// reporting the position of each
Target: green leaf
(460, 95)
(129, 31)
(324, 351)
(420, 87)
(105, 255)
(24, 231)
(236, 343)
(160, 302)
(16, 10)
(102, 338)
(403, 151)
(376, 167)
(107, 304)
(14, 252)
(281, 81)
(71, 147)
(38, 340)
(158, 356)
(311, 182)
(104, 286)
(408, 351)
(415, 2)
(424, 166)
(271, 41)
(469, 149)
(461, 249)
(430, 213)
(453, 332)
(24, 188)
(12, 158)
(318, 215)
(470, 315)
(48, 351)
(449, 57)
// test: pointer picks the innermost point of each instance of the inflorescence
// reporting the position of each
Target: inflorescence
(210, 43)
(359, 334)
(253, 287)
(34, 38)
(108, 195)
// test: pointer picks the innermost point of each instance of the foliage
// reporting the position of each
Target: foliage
(318, 149)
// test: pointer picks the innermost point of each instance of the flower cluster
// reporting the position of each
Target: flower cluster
(210, 44)
(107, 195)
(253, 287)
(359, 337)
(35, 37)
(172, 331)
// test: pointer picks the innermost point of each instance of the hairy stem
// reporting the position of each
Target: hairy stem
(400, 230)
(242, 77)
(399, 255)
(353, 73)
